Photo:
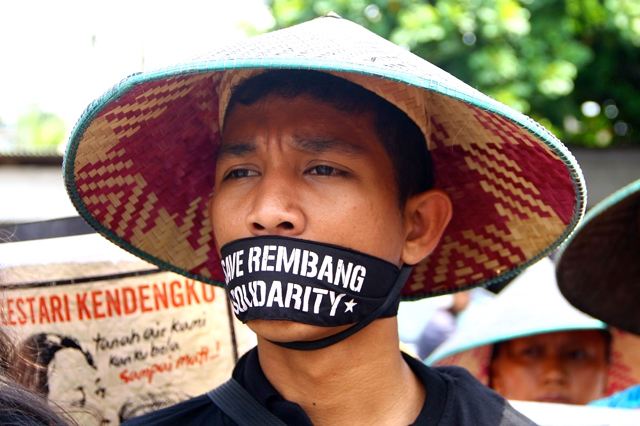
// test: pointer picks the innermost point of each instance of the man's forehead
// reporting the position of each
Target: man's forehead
(410, 99)
(306, 102)
(317, 145)
(303, 122)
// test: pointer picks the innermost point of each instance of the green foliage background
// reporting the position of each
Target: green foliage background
(38, 130)
(573, 65)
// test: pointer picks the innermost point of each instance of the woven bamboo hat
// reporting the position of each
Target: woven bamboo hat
(140, 162)
(599, 267)
(531, 304)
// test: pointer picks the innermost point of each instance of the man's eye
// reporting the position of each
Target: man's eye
(240, 173)
(325, 171)
(578, 354)
(531, 352)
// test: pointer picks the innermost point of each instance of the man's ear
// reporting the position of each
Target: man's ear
(426, 215)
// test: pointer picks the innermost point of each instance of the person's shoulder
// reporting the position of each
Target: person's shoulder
(472, 402)
(193, 412)
(464, 381)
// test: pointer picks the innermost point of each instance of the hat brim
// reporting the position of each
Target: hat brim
(599, 266)
(140, 162)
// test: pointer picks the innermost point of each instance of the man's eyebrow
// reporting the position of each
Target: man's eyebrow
(235, 149)
(327, 144)
(315, 145)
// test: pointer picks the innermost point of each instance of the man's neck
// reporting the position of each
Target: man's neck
(361, 380)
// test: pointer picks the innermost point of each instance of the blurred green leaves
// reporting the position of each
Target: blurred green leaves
(39, 130)
(546, 58)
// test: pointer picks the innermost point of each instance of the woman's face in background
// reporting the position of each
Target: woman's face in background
(564, 367)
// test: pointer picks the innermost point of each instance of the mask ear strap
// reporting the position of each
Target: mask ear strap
(393, 295)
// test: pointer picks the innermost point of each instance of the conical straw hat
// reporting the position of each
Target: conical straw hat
(140, 162)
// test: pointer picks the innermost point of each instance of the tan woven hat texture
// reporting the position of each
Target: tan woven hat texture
(140, 162)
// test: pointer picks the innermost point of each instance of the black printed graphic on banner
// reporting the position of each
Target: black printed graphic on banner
(280, 278)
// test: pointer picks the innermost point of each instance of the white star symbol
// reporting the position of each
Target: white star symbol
(350, 306)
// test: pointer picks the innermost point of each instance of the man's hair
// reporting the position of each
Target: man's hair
(401, 137)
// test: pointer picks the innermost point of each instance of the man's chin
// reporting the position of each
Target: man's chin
(290, 331)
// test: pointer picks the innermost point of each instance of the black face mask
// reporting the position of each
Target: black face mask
(279, 278)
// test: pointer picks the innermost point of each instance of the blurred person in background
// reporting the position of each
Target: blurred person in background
(442, 324)
(426, 323)
(599, 271)
(529, 344)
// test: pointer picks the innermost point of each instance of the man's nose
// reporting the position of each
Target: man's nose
(276, 208)
(554, 371)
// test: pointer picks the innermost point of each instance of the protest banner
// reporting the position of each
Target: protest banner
(115, 336)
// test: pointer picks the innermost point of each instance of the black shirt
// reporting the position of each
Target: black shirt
(454, 397)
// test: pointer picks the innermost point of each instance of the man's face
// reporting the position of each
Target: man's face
(303, 169)
(564, 367)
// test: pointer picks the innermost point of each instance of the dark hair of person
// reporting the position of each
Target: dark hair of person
(38, 350)
(19, 405)
(401, 137)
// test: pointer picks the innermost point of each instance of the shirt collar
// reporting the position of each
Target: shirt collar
(250, 375)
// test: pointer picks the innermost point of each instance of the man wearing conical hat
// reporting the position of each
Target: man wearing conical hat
(599, 273)
(321, 174)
